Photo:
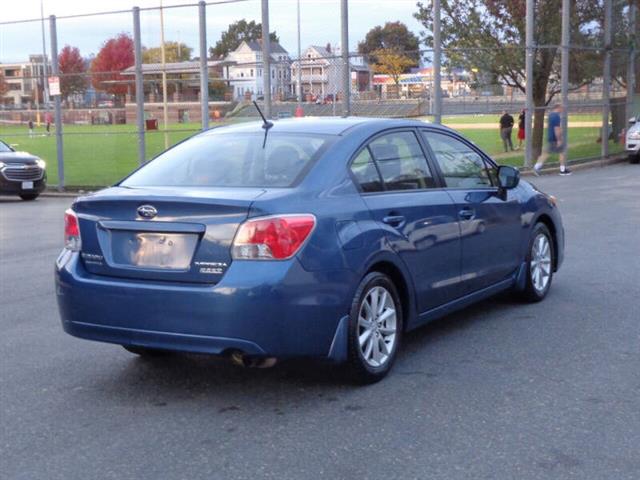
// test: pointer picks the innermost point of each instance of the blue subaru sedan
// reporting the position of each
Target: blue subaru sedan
(327, 238)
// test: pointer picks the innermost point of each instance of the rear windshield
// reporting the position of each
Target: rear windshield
(232, 160)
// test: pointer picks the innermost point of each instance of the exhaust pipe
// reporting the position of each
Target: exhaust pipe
(243, 360)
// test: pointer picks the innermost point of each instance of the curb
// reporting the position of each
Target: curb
(579, 165)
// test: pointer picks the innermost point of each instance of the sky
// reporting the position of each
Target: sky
(320, 22)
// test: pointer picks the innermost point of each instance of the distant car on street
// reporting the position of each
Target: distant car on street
(632, 142)
(21, 173)
(316, 237)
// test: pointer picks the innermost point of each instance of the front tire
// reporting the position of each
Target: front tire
(634, 158)
(375, 328)
(28, 196)
(540, 260)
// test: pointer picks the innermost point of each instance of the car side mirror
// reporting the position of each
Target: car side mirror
(508, 177)
(633, 120)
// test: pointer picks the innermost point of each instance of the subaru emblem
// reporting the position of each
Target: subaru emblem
(147, 211)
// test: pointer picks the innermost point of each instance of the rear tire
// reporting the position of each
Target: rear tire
(29, 196)
(540, 260)
(375, 329)
(145, 352)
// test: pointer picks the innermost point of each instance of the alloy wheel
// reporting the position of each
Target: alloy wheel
(540, 267)
(377, 326)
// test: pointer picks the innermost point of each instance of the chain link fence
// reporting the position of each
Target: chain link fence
(121, 106)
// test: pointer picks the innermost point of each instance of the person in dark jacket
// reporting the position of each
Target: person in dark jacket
(506, 127)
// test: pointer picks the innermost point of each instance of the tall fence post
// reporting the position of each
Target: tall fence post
(564, 71)
(528, 118)
(346, 68)
(437, 77)
(606, 79)
(299, 69)
(631, 67)
(137, 50)
(266, 58)
(55, 70)
(204, 65)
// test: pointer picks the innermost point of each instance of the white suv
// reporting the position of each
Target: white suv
(633, 139)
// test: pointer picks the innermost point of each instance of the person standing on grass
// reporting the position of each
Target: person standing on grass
(30, 128)
(506, 127)
(521, 129)
(555, 142)
(48, 120)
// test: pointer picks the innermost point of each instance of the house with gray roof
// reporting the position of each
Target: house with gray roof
(321, 72)
(245, 71)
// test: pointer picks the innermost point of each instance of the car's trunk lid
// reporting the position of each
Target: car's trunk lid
(188, 239)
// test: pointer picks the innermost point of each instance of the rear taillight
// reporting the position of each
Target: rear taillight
(272, 238)
(71, 231)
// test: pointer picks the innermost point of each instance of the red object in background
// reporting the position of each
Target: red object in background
(299, 111)
(115, 55)
(152, 124)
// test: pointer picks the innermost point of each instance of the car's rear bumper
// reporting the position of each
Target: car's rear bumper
(260, 308)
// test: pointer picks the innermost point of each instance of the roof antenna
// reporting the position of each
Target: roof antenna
(266, 125)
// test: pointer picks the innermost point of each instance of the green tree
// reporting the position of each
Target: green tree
(391, 63)
(393, 36)
(4, 86)
(237, 33)
(217, 89)
(489, 35)
(173, 51)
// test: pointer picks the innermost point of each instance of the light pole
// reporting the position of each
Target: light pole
(165, 109)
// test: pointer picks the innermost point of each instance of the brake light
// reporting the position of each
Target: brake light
(71, 231)
(272, 238)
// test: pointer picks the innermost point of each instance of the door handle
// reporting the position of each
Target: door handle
(394, 220)
(467, 213)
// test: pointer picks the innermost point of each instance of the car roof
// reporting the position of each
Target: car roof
(318, 125)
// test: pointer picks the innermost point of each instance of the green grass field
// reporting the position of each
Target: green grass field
(101, 155)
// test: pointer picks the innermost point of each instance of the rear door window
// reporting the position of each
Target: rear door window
(401, 162)
(366, 173)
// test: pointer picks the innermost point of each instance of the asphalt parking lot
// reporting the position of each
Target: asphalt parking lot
(502, 390)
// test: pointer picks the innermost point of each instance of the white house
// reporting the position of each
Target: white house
(321, 72)
(245, 71)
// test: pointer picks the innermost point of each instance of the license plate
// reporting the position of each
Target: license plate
(27, 185)
(172, 251)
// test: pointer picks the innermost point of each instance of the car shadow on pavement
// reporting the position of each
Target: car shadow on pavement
(184, 376)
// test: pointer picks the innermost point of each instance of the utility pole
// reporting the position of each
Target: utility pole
(204, 66)
(437, 52)
(57, 102)
(564, 69)
(606, 79)
(346, 74)
(631, 69)
(45, 81)
(299, 71)
(530, 52)
(165, 108)
(137, 50)
(266, 58)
